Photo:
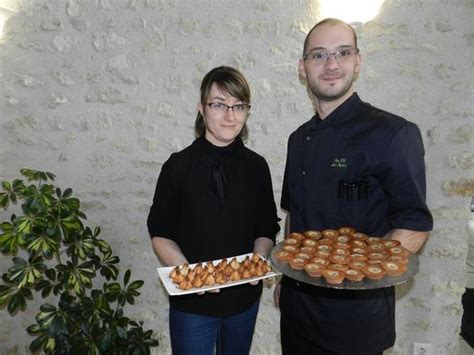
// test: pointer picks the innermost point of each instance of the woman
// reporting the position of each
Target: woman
(214, 200)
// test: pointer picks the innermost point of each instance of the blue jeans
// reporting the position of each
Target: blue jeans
(194, 334)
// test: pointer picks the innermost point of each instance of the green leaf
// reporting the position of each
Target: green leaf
(126, 277)
(50, 274)
(107, 265)
(67, 193)
(16, 302)
(18, 185)
(39, 343)
(50, 176)
(33, 329)
(26, 274)
(46, 316)
(4, 200)
(42, 244)
(135, 285)
(130, 299)
(24, 225)
(35, 175)
(46, 307)
(71, 223)
(50, 345)
(7, 186)
(10, 240)
(58, 325)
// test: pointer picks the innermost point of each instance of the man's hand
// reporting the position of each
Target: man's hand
(411, 240)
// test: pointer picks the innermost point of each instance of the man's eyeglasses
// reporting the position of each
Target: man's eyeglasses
(321, 57)
(220, 108)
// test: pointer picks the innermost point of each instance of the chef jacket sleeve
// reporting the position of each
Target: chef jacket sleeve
(404, 180)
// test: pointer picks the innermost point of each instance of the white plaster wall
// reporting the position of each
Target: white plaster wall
(100, 92)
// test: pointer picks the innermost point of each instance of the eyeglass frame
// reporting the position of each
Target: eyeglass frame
(326, 55)
(248, 106)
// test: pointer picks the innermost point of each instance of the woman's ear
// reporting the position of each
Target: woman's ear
(200, 108)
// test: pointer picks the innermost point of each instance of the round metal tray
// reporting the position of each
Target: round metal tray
(365, 284)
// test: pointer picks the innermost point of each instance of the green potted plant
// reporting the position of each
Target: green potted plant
(57, 256)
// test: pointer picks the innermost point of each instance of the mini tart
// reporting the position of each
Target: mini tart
(326, 241)
(342, 238)
(333, 276)
(308, 250)
(302, 255)
(296, 235)
(357, 250)
(342, 245)
(290, 248)
(359, 236)
(377, 256)
(354, 275)
(374, 272)
(284, 256)
(314, 269)
(339, 259)
(324, 247)
(322, 254)
(376, 247)
(392, 268)
(390, 243)
(310, 243)
(356, 243)
(374, 262)
(400, 251)
(340, 251)
(398, 259)
(346, 230)
(313, 235)
(357, 265)
(358, 257)
(291, 241)
(322, 261)
(339, 267)
(297, 263)
(330, 233)
(371, 240)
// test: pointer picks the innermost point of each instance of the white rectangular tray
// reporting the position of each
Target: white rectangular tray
(173, 289)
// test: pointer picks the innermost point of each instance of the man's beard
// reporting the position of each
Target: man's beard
(329, 94)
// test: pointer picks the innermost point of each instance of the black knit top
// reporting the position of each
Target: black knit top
(214, 202)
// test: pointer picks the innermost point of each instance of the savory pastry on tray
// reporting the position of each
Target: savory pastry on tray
(219, 272)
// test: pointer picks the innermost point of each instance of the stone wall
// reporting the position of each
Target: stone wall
(100, 92)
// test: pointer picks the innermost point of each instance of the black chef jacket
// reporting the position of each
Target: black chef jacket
(360, 167)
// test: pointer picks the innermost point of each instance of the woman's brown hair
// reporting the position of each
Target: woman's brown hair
(229, 80)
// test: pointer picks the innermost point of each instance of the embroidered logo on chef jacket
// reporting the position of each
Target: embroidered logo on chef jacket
(339, 163)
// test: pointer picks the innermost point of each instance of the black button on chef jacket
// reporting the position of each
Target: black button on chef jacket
(360, 167)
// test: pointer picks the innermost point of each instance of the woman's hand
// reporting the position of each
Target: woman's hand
(216, 290)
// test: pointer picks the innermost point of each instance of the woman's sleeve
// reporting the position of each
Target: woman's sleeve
(164, 212)
(267, 220)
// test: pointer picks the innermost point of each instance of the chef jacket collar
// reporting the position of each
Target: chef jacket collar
(342, 113)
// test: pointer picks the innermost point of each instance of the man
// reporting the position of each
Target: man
(350, 165)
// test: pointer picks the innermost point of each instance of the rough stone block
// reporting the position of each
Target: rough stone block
(460, 187)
